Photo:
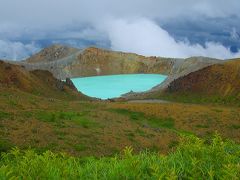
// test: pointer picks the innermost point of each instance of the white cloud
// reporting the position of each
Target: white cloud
(16, 50)
(145, 37)
(61, 12)
(139, 35)
(69, 20)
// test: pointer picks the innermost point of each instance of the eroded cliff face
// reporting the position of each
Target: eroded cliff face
(65, 63)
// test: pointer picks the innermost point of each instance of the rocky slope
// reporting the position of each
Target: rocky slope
(37, 82)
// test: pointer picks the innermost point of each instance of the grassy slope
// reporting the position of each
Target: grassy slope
(40, 83)
(57, 121)
(100, 128)
(35, 114)
(216, 84)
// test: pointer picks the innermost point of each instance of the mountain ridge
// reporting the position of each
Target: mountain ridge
(94, 61)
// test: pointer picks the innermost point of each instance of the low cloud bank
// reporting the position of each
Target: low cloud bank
(16, 50)
(145, 37)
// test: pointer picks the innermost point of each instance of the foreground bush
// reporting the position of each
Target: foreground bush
(193, 159)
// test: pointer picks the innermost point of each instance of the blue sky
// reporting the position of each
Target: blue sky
(169, 28)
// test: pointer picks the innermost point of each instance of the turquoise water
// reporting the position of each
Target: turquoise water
(112, 86)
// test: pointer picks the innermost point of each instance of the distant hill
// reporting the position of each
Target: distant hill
(37, 82)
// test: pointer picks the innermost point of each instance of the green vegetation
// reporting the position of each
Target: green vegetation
(58, 117)
(193, 159)
(218, 110)
(5, 145)
(235, 126)
(153, 122)
(80, 147)
(134, 116)
(4, 115)
(140, 132)
(162, 122)
(173, 144)
(202, 126)
(55, 116)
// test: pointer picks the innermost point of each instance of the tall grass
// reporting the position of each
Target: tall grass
(193, 159)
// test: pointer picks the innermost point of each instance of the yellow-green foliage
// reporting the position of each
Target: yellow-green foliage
(193, 159)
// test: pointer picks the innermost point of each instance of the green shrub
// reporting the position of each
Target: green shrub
(80, 147)
(4, 115)
(193, 159)
(5, 145)
(162, 122)
(202, 126)
(235, 126)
